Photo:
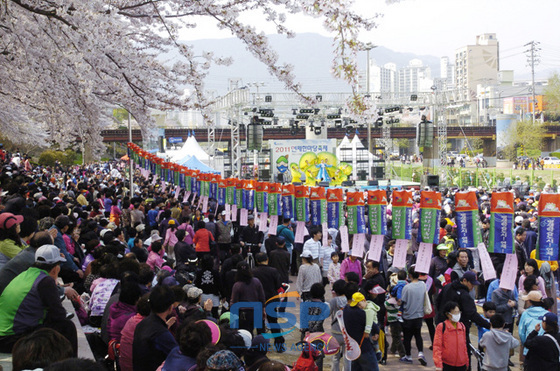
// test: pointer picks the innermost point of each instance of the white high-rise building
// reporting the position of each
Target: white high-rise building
(477, 64)
(415, 78)
(447, 72)
(382, 79)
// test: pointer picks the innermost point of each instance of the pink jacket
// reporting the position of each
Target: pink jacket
(119, 314)
(127, 337)
(154, 260)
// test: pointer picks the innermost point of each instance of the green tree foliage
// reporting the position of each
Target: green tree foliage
(526, 133)
(552, 98)
(49, 157)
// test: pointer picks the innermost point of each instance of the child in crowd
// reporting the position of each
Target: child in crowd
(334, 269)
(489, 310)
(394, 320)
(498, 343)
(396, 291)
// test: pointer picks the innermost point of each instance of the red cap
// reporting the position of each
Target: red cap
(8, 220)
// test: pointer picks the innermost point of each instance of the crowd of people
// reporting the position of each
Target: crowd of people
(152, 276)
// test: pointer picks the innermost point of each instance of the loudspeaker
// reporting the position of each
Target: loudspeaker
(378, 172)
(348, 183)
(373, 183)
(432, 180)
(297, 183)
(265, 174)
(160, 144)
(362, 175)
(323, 184)
(254, 136)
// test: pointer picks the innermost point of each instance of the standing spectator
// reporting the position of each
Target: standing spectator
(208, 280)
(531, 316)
(505, 305)
(121, 311)
(308, 274)
(351, 264)
(280, 259)
(334, 269)
(413, 296)
(532, 269)
(136, 215)
(355, 323)
(450, 344)
(189, 231)
(251, 236)
(201, 240)
(224, 229)
(544, 352)
(520, 235)
(338, 302)
(247, 289)
(438, 265)
(183, 251)
(315, 246)
(155, 257)
(193, 337)
(498, 343)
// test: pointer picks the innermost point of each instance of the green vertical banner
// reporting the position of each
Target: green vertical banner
(377, 211)
(188, 180)
(335, 210)
(230, 191)
(501, 223)
(468, 231)
(356, 218)
(261, 196)
(430, 210)
(302, 203)
(402, 215)
(274, 198)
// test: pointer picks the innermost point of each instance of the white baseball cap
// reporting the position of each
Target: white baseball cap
(48, 254)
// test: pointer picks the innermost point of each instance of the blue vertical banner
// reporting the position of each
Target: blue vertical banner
(501, 223)
(288, 200)
(318, 205)
(335, 209)
(549, 227)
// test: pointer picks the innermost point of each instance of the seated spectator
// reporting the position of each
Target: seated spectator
(121, 311)
(32, 300)
(127, 333)
(73, 364)
(192, 337)
(152, 340)
(102, 289)
(155, 257)
(40, 349)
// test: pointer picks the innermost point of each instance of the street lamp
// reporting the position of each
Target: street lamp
(368, 47)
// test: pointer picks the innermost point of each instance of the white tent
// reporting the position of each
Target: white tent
(355, 153)
(190, 148)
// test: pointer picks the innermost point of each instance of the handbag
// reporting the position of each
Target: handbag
(427, 304)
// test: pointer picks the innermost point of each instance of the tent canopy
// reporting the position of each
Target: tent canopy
(195, 164)
(190, 148)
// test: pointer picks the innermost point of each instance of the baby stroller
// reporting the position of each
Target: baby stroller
(479, 355)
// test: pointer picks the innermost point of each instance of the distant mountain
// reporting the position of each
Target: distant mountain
(310, 54)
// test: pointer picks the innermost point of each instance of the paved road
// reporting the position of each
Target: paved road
(393, 363)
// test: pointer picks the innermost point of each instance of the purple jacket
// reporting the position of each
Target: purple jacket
(119, 314)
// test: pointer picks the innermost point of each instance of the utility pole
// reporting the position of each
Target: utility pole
(130, 162)
(532, 59)
(368, 47)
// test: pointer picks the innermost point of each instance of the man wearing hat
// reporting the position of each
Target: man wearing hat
(250, 235)
(544, 350)
(280, 259)
(32, 301)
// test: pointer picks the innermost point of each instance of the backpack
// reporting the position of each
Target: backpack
(306, 361)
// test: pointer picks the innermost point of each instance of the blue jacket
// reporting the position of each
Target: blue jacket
(494, 285)
(69, 264)
(527, 323)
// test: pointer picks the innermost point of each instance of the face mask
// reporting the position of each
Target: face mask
(456, 317)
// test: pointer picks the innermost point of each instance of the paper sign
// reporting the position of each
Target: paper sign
(199, 205)
(227, 209)
(358, 245)
(233, 213)
(424, 257)
(263, 220)
(177, 190)
(325, 234)
(375, 247)
(186, 197)
(154, 180)
(345, 245)
(509, 273)
(399, 259)
(273, 225)
(204, 204)
(243, 217)
(486, 263)
(163, 187)
(300, 232)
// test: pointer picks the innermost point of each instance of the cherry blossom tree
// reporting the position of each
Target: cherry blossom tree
(64, 64)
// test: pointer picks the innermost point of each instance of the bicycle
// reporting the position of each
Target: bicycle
(250, 258)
